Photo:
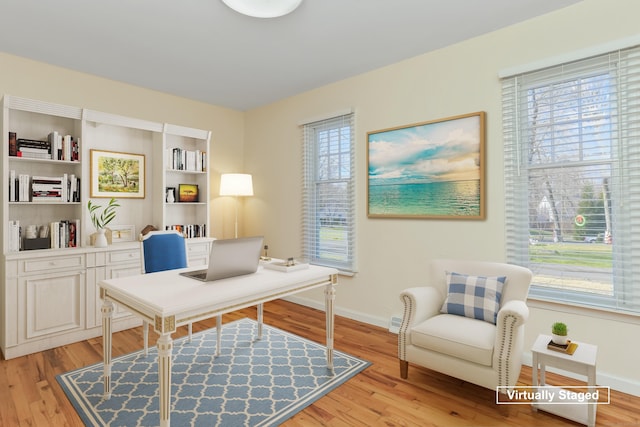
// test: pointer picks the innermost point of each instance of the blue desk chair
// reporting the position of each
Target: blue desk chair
(164, 250)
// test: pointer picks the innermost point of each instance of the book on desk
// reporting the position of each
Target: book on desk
(568, 348)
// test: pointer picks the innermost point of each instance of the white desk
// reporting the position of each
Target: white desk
(167, 300)
(583, 362)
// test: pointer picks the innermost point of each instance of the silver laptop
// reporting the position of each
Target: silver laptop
(230, 258)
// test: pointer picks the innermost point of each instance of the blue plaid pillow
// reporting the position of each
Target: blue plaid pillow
(476, 297)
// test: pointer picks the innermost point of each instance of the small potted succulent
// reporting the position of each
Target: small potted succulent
(559, 333)
(101, 220)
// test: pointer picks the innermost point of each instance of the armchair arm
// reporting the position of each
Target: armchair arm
(420, 303)
(516, 309)
(509, 343)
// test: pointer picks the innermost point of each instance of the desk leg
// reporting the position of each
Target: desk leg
(219, 334)
(260, 319)
(591, 381)
(107, 314)
(534, 377)
(165, 347)
(330, 296)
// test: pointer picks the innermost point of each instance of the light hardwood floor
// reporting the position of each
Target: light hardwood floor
(31, 396)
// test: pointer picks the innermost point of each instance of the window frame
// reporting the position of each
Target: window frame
(624, 67)
(333, 173)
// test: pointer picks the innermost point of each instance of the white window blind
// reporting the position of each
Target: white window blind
(329, 192)
(572, 179)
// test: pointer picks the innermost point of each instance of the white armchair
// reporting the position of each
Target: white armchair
(473, 350)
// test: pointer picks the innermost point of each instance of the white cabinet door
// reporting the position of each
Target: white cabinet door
(50, 304)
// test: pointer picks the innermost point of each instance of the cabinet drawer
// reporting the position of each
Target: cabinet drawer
(39, 265)
(123, 256)
(198, 253)
(198, 249)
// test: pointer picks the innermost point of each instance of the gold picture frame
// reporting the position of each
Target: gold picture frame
(116, 174)
(433, 169)
(123, 233)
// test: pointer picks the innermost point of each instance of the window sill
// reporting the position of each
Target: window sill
(593, 312)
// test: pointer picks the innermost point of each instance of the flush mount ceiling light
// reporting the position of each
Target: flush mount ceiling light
(263, 8)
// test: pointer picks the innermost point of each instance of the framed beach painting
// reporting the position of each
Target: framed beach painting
(431, 169)
(117, 175)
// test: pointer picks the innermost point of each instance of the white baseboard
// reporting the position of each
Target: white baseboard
(349, 314)
(616, 383)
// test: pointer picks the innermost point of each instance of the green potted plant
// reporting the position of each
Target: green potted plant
(101, 219)
(559, 333)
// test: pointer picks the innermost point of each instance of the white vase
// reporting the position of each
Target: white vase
(101, 239)
(559, 339)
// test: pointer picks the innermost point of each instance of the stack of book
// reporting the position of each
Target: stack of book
(18, 187)
(189, 230)
(56, 147)
(568, 348)
(65, 233)
(47, 189)
(33, 149)
(186, 160)
(58, 189)
(64, 147)
(61, 189)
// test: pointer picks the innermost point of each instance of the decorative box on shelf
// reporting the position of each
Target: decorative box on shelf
(36, 243)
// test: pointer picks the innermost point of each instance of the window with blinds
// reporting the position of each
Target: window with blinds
(329, 193)
(572, 179)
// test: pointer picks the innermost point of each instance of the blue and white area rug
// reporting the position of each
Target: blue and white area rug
(252, 382)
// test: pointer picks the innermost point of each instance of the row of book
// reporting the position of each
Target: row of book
(186, 160)
(56, 147)
(57, 189)
(56, 235)
(189, 230)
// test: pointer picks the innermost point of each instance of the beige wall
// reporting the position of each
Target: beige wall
(452, 81)
(29, 79)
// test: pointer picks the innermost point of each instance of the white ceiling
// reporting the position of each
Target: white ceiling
(201, 49)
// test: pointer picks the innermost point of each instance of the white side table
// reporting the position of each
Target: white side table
(582, 362)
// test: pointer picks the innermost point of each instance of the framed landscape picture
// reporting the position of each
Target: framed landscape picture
(115, 174)
(431, 169)
(188, 193)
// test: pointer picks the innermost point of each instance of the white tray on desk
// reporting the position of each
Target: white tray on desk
(282, 266)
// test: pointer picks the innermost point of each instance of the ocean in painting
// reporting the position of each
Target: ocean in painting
(451, 198)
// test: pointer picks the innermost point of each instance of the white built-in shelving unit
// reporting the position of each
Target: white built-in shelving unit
(49, 296)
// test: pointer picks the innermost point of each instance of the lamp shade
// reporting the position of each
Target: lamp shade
(263, 8)
(236, 184)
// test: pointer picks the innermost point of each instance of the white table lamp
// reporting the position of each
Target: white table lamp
(236, 184)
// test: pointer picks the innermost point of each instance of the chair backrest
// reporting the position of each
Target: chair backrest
(516, 287)
(163, 250)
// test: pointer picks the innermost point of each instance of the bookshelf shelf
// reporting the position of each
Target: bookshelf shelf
(46, 202)
(185, 172)
(19, 160)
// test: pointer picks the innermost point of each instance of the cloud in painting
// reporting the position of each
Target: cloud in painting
(432, 152)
